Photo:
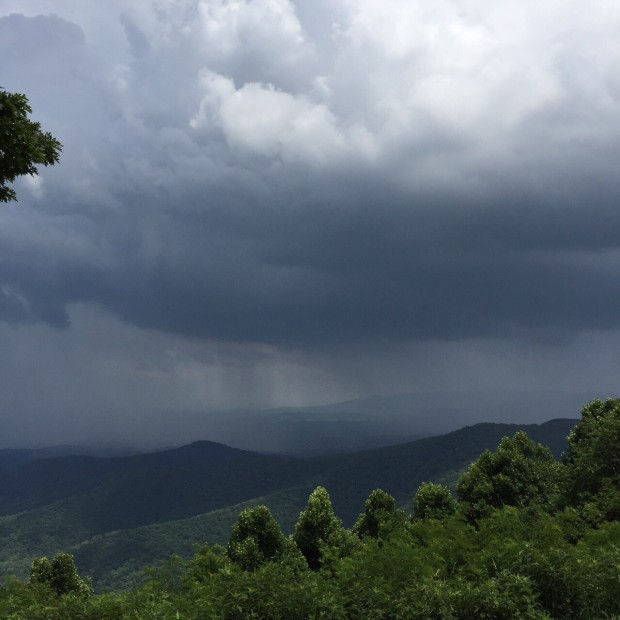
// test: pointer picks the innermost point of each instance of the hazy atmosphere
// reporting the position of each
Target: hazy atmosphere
(280, 203)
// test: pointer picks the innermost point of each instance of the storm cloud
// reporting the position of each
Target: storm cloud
(319, 181)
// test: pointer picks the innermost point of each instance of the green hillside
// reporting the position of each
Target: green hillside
(117, 559)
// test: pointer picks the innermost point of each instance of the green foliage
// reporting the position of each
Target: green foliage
(317, 527)
(207, 562)
(591, 480)
(60, 575)
(255, 538)
(379, 513)
(517, 473)
(433, 501)
(22, 143)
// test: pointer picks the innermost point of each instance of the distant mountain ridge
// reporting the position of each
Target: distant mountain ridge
(372, 421)
(75, 503)
(37, 481)
(14, 458)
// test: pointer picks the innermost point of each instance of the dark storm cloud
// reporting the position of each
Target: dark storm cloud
(320, 274)
(248, 180)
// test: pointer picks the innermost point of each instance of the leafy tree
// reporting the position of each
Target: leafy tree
(207, 561)
(255, 539)
(591, 478)
(379, 511)
(518, 473)
(433, 501)
(23, 144)
(317, 527)
(60, 575)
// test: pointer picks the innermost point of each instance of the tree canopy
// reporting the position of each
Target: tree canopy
(433, 501)
(317, 527)
(379, 511)
(519, 472)
(60, 575)
(23, 144)
(591, 476)
(255, 538)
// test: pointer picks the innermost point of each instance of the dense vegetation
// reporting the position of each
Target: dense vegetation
(526, 537)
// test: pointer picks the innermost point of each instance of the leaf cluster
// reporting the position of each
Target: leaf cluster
(23, 144)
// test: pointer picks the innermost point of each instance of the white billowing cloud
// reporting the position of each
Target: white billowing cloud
(418, 71)
(426, 87)
(268, 122)
(228, 25)
(475, 72)
(424, 90)
(265, 35)
(400, 74)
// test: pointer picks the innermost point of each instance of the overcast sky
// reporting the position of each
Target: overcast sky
(272, 202)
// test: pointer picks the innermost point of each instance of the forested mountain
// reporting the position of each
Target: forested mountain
(14, 458)
(40, 481)
(99, 508)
